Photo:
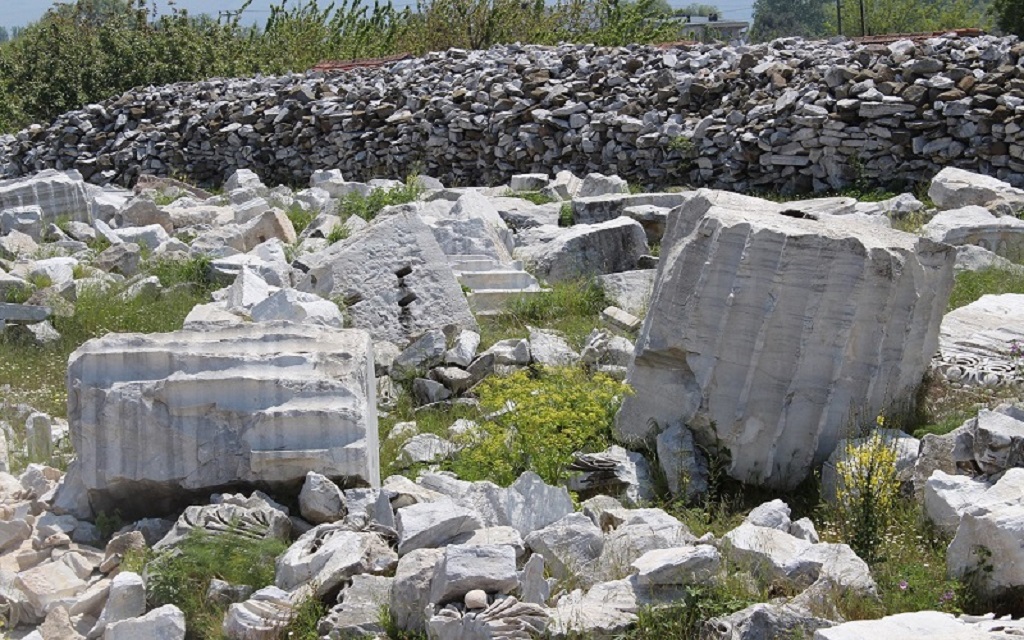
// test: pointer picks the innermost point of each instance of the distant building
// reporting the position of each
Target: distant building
(709, 29)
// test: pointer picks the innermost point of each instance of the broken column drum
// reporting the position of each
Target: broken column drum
(156, 417)
(774, 334)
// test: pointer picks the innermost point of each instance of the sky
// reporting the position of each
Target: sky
(18, 13)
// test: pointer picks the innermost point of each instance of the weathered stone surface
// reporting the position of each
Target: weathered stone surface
(358, 614)
(261, 617)
(126, 600)
(953, 188)
(465, 567)
(770, 554)
(729, 287)
(393, 277)
(411, 591)
(46, 584)
(296, 399)
(947, 497)
(974, 341)
(905, 626)
(254, 517)
(570, 546)
(164, 623)
(762, 621)
(329, 554)
(320, 500)
(550, 349)
(678, 565)
(614, 472)
(587, 250)
(57, 194)
(295, 306)
(505, 618)
(432, 524)
(975, 225)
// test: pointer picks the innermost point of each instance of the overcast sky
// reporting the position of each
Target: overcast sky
(18, 13)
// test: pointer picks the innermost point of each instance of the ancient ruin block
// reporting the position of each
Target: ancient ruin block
(157, 417)
(770, 331)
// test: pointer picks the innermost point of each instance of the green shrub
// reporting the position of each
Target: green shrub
(181, 576)
(338, 233)
(557, 412)
(685, 619)
(304, 625)
(867, 491)
(367, 207)
(173, 271)
(565, 215)
(299, 217)
(536, 197)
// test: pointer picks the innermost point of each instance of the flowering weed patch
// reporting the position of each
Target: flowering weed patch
(543, 417)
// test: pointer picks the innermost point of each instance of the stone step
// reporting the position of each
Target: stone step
(23, 312)
(497, 280)
(481, 263)
(490, 302)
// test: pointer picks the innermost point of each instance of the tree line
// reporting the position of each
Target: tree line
(90, 50)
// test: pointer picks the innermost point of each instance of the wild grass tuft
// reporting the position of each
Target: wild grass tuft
(572, 307)
(299, 217)
(971, 285)
(182, 575)
(367, 207)
(536, 197)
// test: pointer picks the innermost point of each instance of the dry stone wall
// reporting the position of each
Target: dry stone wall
(789, 115)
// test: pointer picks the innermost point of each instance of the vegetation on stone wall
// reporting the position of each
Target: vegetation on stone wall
(92, 50)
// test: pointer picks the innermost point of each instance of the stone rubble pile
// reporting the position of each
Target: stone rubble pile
(269, 396)
(789, 115)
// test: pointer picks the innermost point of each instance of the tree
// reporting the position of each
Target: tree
(698, 9)
(4, 35)
(908, 16)
(781, 18)
(1009, 15)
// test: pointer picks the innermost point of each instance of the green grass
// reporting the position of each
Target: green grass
(435, 420)
(304, 625)
(971, 285)
(565, 215)
(338, 233)
(181, 576)
(684, 619)
(299, 217)
(36, 374)
(536, 197)
(572, 307)
(163, 198)
(367, 207)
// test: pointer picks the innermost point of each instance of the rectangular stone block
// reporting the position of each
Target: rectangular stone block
(156, 417)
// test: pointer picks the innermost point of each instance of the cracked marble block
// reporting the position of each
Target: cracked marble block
(160, 416)
(772, 332)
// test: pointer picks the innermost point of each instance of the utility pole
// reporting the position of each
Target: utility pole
(863, 28)
(839, 15)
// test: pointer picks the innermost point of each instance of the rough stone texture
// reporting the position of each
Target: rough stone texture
(550, 349)
(586, 250)
(743, 316)
(257, 403)
(329, 554)
(127, 600)
(433, 524)
(974, 341)
(906, 626)
(393, 278)
(465, 567)
(570, 546)
(56, 194)
(505, 618)
(320, 500)
(358, 613)
(954, 188)
(254, 517)
(411, 591)
(947, 497)
(164, 623)
(783, 115)
(679, 565)
(974, 225)
(261, 617)
(764, 621)
(773, 554)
